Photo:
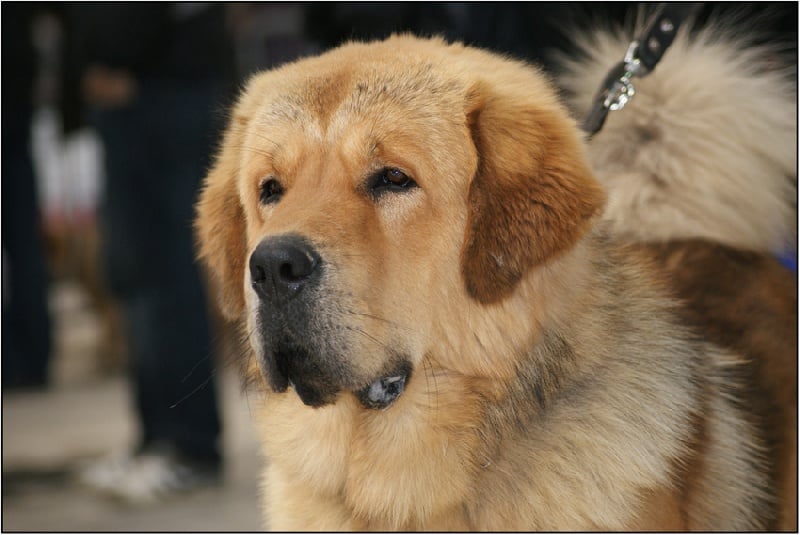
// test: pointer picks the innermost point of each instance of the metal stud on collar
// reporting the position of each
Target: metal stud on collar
(622, 90)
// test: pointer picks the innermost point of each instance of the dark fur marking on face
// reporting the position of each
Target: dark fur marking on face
(293, 365)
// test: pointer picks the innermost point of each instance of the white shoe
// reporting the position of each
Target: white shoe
(147, 477)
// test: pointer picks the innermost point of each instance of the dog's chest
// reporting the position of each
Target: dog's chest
(410, 466)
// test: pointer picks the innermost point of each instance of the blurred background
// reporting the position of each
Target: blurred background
(121, 405)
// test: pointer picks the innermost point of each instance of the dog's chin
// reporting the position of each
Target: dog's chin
(313, 394)
(288, 367)
(316, 391)
(379, 394)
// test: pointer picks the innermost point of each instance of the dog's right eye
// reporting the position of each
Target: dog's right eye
(271, 191)
(390, 179)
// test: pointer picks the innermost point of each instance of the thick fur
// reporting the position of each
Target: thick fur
(707, 148)
(554, 385)
(701, 173)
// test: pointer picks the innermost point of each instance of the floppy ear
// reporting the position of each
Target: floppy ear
(220, 225)
(533, 195)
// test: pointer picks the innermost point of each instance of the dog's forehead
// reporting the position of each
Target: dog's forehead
(359, 82)
(401, 102)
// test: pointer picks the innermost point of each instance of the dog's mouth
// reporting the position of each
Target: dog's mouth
(293, 367)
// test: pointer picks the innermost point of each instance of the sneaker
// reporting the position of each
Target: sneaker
(147, 477)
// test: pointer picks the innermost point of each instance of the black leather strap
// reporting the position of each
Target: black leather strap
(641, 58)
(659, 34)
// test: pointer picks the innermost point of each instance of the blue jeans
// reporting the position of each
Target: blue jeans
(27, 338)
(157, 150)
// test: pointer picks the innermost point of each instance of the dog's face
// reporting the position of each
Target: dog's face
(362, 196)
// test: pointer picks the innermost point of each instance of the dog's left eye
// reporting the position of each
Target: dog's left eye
(271, 191)
(390, 179)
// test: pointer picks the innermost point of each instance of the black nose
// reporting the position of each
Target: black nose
(283, 265)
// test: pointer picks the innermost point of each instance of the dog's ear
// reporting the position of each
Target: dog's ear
(533, 195)
(220, 224)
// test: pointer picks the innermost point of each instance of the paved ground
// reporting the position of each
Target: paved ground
(46, 435)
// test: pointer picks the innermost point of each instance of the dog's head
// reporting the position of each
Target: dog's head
(361, 195)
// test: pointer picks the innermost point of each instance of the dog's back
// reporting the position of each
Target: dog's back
(701, 171)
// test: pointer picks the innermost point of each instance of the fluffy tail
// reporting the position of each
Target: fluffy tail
(707, 148)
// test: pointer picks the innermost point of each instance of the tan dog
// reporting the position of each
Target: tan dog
(701, 171)
(443, 337)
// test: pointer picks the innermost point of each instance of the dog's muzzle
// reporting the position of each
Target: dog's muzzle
(286, 273)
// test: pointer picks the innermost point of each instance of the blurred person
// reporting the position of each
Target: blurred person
(525, 30)
(154, 76)
(331, 23)
(26, 322)
(268, 35)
